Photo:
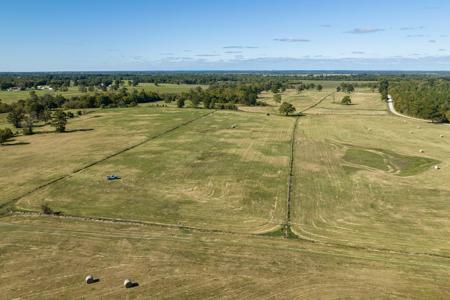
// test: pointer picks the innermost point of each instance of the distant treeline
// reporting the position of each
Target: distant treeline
(428, 99)
(221, 96)
(232, 93)
(61, 81)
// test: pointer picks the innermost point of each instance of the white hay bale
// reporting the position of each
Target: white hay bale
(127, 283)
(421, 151)
(233, 126)
(89, 279)
(437, 167)
(441, 135)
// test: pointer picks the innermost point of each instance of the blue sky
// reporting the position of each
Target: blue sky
(205, 35)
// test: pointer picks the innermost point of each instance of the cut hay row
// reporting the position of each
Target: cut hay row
(168, 263)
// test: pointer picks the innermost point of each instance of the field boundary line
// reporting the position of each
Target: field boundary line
(317, 103)
(299, 237)
(287, 226)
(75, 171)
(128, 222)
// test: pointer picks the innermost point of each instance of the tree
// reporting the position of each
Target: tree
(28, 125)
(383, 88)
(207, 102)
(277, 98)
(5, 135)
(4, 108)
(46, 115)
(347, 87)
(180, 102)
(15, 116)
(338, 89)
(346, 100)
(319, 87)
(286, 108)
(195, 100)
(59, 120)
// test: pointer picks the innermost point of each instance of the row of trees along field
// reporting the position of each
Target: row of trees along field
(47, 108)
(241, 93)
(62, 81)
(428, 99)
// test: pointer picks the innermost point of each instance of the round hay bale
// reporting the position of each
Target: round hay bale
(437, 167)
(233, 126)
(127, 283)
(441, 135)
(369, 129)
(411, 132)
(421, 151)
(418, 127)
(89, 279)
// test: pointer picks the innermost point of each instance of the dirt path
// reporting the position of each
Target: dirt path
(391, 107)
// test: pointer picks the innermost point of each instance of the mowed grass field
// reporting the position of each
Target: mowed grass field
(49, 258)
(204, 194)
(30, 161)
(361, 179)
(14, 96)
(301, 101)
(206, 174)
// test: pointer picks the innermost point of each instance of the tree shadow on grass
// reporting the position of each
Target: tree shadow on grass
(67, 131)
(77, 130)
(14, 143)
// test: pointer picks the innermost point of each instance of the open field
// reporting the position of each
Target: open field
(332, 84)
(301, 100)
(14, 96)
(169, 88)
(49, 258)
(204, 197)
(206, 174)
(34, 160)
(363, 181)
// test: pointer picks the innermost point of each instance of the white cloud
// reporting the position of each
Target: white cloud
(364, 30)
(292, 40)
(410, 28)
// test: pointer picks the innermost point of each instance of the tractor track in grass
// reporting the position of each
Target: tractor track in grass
(15, 199)
(287, 224)
(287, 230)
(298, 237)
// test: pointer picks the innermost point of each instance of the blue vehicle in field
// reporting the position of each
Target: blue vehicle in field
(112, 177)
